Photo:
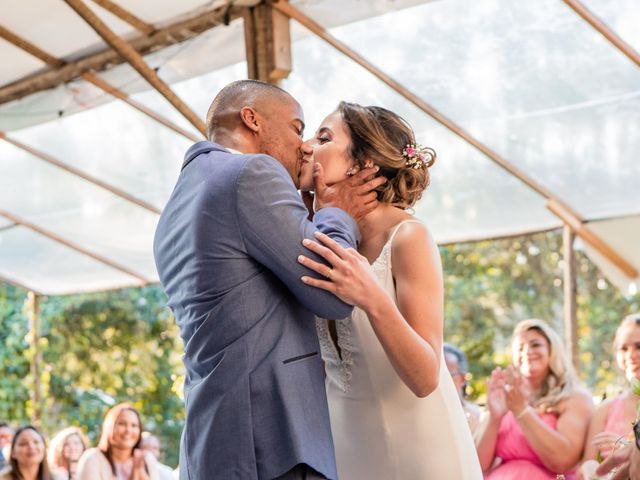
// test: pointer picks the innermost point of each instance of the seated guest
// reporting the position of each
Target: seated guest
(537, 417)
(118, 456)
(6, 434)
(28, 459)
(151, 444)
(613, 418)
(458, 368)
(65, 450)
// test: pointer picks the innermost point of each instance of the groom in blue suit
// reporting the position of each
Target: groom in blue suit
(226, 249)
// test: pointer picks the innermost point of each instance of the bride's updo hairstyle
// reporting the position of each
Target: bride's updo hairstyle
(386, 139)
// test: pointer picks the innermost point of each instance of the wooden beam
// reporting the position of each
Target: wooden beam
(136, 61)
(585, 233)
(33, 313)
(79, 173)
(73, 246)
(496, 237)
(267, 43)
(105, 59)
(250, 43)
(98, 82)
(604, 30)
(8, 227)
(15, 283)
(29, 47)
(456, 129)
(126, 16)
(570, 293)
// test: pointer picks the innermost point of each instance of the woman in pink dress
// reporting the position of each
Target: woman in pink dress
(613, 418)
(537, 417)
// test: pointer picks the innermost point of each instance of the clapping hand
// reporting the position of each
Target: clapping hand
(606, 442)
(516, 391)
(139, 467)
(622, 464)
(496, 397)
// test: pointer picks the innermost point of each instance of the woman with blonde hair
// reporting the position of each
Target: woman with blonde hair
(65, 450)
(537, 416)
(613, 419)
(118, 456)
(394, 410)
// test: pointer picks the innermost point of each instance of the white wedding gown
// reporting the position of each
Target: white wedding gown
(381, 430)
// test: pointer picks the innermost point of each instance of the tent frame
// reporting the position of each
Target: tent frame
(268, 53)
(107, 58)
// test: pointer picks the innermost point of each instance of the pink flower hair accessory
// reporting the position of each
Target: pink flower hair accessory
(418, 156)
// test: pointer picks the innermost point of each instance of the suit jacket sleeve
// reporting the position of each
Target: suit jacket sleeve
(273, 222)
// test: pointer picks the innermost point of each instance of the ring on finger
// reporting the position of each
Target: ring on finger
(329, 274)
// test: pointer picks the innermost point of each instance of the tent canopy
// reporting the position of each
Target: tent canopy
(533, 81)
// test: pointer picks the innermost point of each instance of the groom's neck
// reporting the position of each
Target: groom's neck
(235, 141)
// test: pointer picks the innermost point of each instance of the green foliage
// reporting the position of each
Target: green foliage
(14, 366)
(492, 285)
(109, 347)
(104, 348)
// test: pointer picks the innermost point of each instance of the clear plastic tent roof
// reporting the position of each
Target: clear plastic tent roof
(532, 80)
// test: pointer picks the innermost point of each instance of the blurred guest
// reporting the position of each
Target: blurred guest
(6, 434)
(537, 417)
(118, 456)
(151, 444)
(458, 368)
(28, 459)
(623, 463)
(613, 418)
(65, 450)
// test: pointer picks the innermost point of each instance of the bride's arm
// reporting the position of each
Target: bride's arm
(411, 331)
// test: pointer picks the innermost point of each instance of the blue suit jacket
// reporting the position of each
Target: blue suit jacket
(226, 249)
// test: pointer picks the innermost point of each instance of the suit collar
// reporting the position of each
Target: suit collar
(200, 148)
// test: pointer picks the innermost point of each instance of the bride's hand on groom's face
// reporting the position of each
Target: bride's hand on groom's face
(349, 276)
(355, 195)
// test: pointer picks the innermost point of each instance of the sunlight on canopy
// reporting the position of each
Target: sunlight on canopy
(531, 80)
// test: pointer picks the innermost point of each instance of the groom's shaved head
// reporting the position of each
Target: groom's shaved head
(224, 112)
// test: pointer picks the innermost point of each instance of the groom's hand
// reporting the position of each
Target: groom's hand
(355, 195)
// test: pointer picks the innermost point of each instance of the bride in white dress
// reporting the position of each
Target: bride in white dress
(395, 413)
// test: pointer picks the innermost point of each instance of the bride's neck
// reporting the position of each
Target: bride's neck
(369, 225)
(378, 221)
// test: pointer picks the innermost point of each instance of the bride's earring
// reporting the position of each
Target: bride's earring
(351, 172)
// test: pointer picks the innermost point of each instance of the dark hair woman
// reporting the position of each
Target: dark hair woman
(28, 457)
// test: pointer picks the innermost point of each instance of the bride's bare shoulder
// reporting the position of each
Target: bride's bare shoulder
(411, 233)
(414, 250)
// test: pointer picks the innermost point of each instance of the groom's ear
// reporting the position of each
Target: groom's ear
(249, 118)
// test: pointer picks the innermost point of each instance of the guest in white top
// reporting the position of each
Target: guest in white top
(151, 444)
(118, 456)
